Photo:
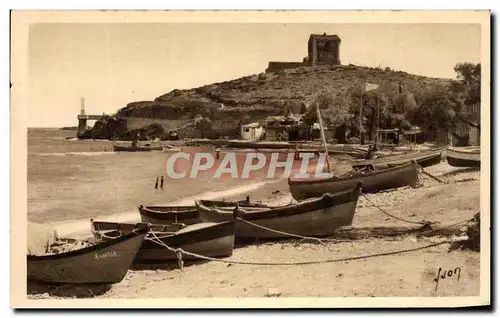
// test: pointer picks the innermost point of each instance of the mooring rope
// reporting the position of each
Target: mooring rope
(179, 252)
(319, 240)
(422, 170)
(326, 240)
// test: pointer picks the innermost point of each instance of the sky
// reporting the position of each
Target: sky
(111, 65)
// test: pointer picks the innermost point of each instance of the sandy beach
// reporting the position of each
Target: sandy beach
(403, 274)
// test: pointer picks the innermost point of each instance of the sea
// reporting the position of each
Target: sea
(72, 181)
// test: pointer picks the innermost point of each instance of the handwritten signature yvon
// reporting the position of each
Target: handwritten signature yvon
(442, 274)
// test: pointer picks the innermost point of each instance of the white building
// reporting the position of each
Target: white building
(253, 131)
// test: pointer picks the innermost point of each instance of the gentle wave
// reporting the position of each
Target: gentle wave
(82, 153)
(82, 228)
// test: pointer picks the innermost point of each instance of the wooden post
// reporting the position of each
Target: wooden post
(378, 118)
(323, 137)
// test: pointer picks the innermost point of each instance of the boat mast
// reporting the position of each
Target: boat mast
(323, 137)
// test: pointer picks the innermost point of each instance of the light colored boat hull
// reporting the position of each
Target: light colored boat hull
(466, 158)
(316, 223)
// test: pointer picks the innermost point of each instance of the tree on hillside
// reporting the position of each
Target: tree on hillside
(334, 110)
(437, 108)
(469, 82)
(204, 124)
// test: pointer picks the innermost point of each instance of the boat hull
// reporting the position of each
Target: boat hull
(390, 178)
(135, 149)
(424, 159)
(104, 263)
(168, 215)
(315, 218)
(212, 240)
(463, 159)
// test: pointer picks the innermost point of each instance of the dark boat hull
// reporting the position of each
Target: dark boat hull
(103, 263)
(135, 149)
(390, 178)
(463, 159)
(317, 217)
(424, 159)
(168, 215)
(207, 239)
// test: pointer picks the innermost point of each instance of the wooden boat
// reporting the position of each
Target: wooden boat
(136, 148)
(207, 239)
(466, 157)
(101, 263)
(169, 214)
(317, 217)
(373, 181)
(176, 214)
(423, 158)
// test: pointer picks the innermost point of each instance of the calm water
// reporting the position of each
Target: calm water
(72, 180)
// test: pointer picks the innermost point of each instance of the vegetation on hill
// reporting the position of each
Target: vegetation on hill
(400, 101)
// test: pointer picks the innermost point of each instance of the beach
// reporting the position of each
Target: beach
(111, 186)
(409, 273)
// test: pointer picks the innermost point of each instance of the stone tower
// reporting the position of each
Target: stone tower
(323, 49)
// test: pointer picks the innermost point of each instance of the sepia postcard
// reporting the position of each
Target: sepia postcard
(250, 159)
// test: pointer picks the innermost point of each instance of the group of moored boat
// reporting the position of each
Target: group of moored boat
(210, 228)
(147, 148)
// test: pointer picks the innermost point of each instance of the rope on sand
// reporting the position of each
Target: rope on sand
(179, 252)
(423, 222)
(325, 240)
(316, 239)
(422, 170)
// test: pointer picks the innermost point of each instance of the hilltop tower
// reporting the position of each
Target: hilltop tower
(323, 49)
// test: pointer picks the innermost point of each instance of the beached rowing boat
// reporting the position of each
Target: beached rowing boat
(423, 158)
(169, 214)
(175, 214)
(316, 217)
(207, 239)
(373, 181)
(464, 156)
(101, 263)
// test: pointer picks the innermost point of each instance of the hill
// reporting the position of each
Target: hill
(254, 97)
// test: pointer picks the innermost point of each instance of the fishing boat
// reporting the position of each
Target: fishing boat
(169, 214)
(464, 156)
(316, 217)
(373, 181)
(177, 214)
(207, 239)
(136, 148)
(97, 263)
(423, 158)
